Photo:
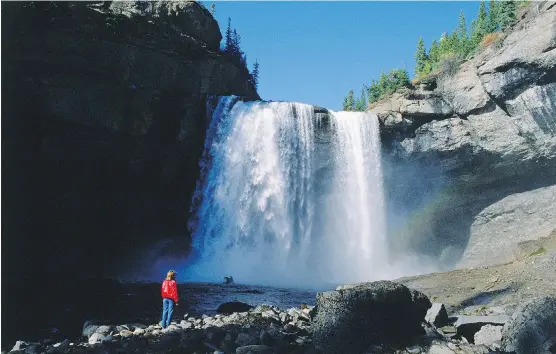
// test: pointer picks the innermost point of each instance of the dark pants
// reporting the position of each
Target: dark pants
(167, 310)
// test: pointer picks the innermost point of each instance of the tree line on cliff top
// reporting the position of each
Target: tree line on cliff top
(443, 56)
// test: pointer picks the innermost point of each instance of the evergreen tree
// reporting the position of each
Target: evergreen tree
(420, 57)
(228, 38)
(401, 78)
(374, 91)
(361, 103)
(213, 9)
(482, 25)
(255, 75)
(492, 25)
(434, 53)
(349, 101)
(462, 45)
(236, 40)
(506, 14)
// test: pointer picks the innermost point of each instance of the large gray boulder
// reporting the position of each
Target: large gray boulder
(532, 328)
(353, 317)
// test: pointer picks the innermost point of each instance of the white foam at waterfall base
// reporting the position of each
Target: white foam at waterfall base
(280, 205)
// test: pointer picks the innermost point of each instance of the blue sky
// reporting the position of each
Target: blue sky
(315, 52)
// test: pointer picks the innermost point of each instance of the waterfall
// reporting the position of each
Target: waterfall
(288, 197)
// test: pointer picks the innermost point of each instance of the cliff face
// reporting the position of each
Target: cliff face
(104, 121)
(471, 158)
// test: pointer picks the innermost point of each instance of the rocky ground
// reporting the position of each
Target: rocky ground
(474, 310)
(494, 289)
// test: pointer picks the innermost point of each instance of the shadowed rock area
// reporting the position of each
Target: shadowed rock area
(104, 123)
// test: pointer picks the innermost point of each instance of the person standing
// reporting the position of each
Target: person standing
(169, 298)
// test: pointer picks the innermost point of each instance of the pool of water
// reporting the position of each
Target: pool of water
(59, 312)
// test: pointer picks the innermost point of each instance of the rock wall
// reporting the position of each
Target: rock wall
(104, 122)
(474, 145)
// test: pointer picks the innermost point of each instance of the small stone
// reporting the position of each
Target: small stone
(138, 331)
(108, 339)
(415, 349)
(96, 338)
(125, 333)
(104, 330)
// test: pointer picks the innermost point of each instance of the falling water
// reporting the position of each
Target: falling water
(289, 198)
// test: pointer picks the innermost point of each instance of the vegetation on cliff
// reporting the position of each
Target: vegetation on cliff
(443, 56)
(232, 50)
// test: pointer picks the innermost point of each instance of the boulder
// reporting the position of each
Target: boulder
(96, 338)
(489, 335)
(421, 302)
(532, 328)
(104, 329)
(89, 327)
(233, 306)
(437, 315)
(354, 317)
(19, 345)
(467, 326)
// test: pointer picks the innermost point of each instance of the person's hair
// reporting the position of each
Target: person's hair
(171, 275)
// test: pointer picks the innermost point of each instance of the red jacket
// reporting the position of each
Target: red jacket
(170, 290)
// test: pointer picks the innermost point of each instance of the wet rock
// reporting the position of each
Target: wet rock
(437, 315)
(234, 306)
(125, 334)
(467, 326)
(134, 326)
(261, 349)
(104, 330)
(19, 345)
(489, 335)
(89, 327)
(186, 325)
(356, 316)
(96, 338)
(122, 327)
(138, 331)
(108, 339)
(532, 328)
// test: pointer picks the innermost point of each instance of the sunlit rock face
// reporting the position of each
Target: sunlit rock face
(464, 147)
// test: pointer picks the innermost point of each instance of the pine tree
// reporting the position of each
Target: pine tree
(420, 57)
(361, 103)
(482, 25)
(506, 14)
(492, 25)
(236, 39)
(349, 101)
(374, 91)
(228, 38)
(434, 54)
(255, 75)
(213, 9)
(462, 41)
